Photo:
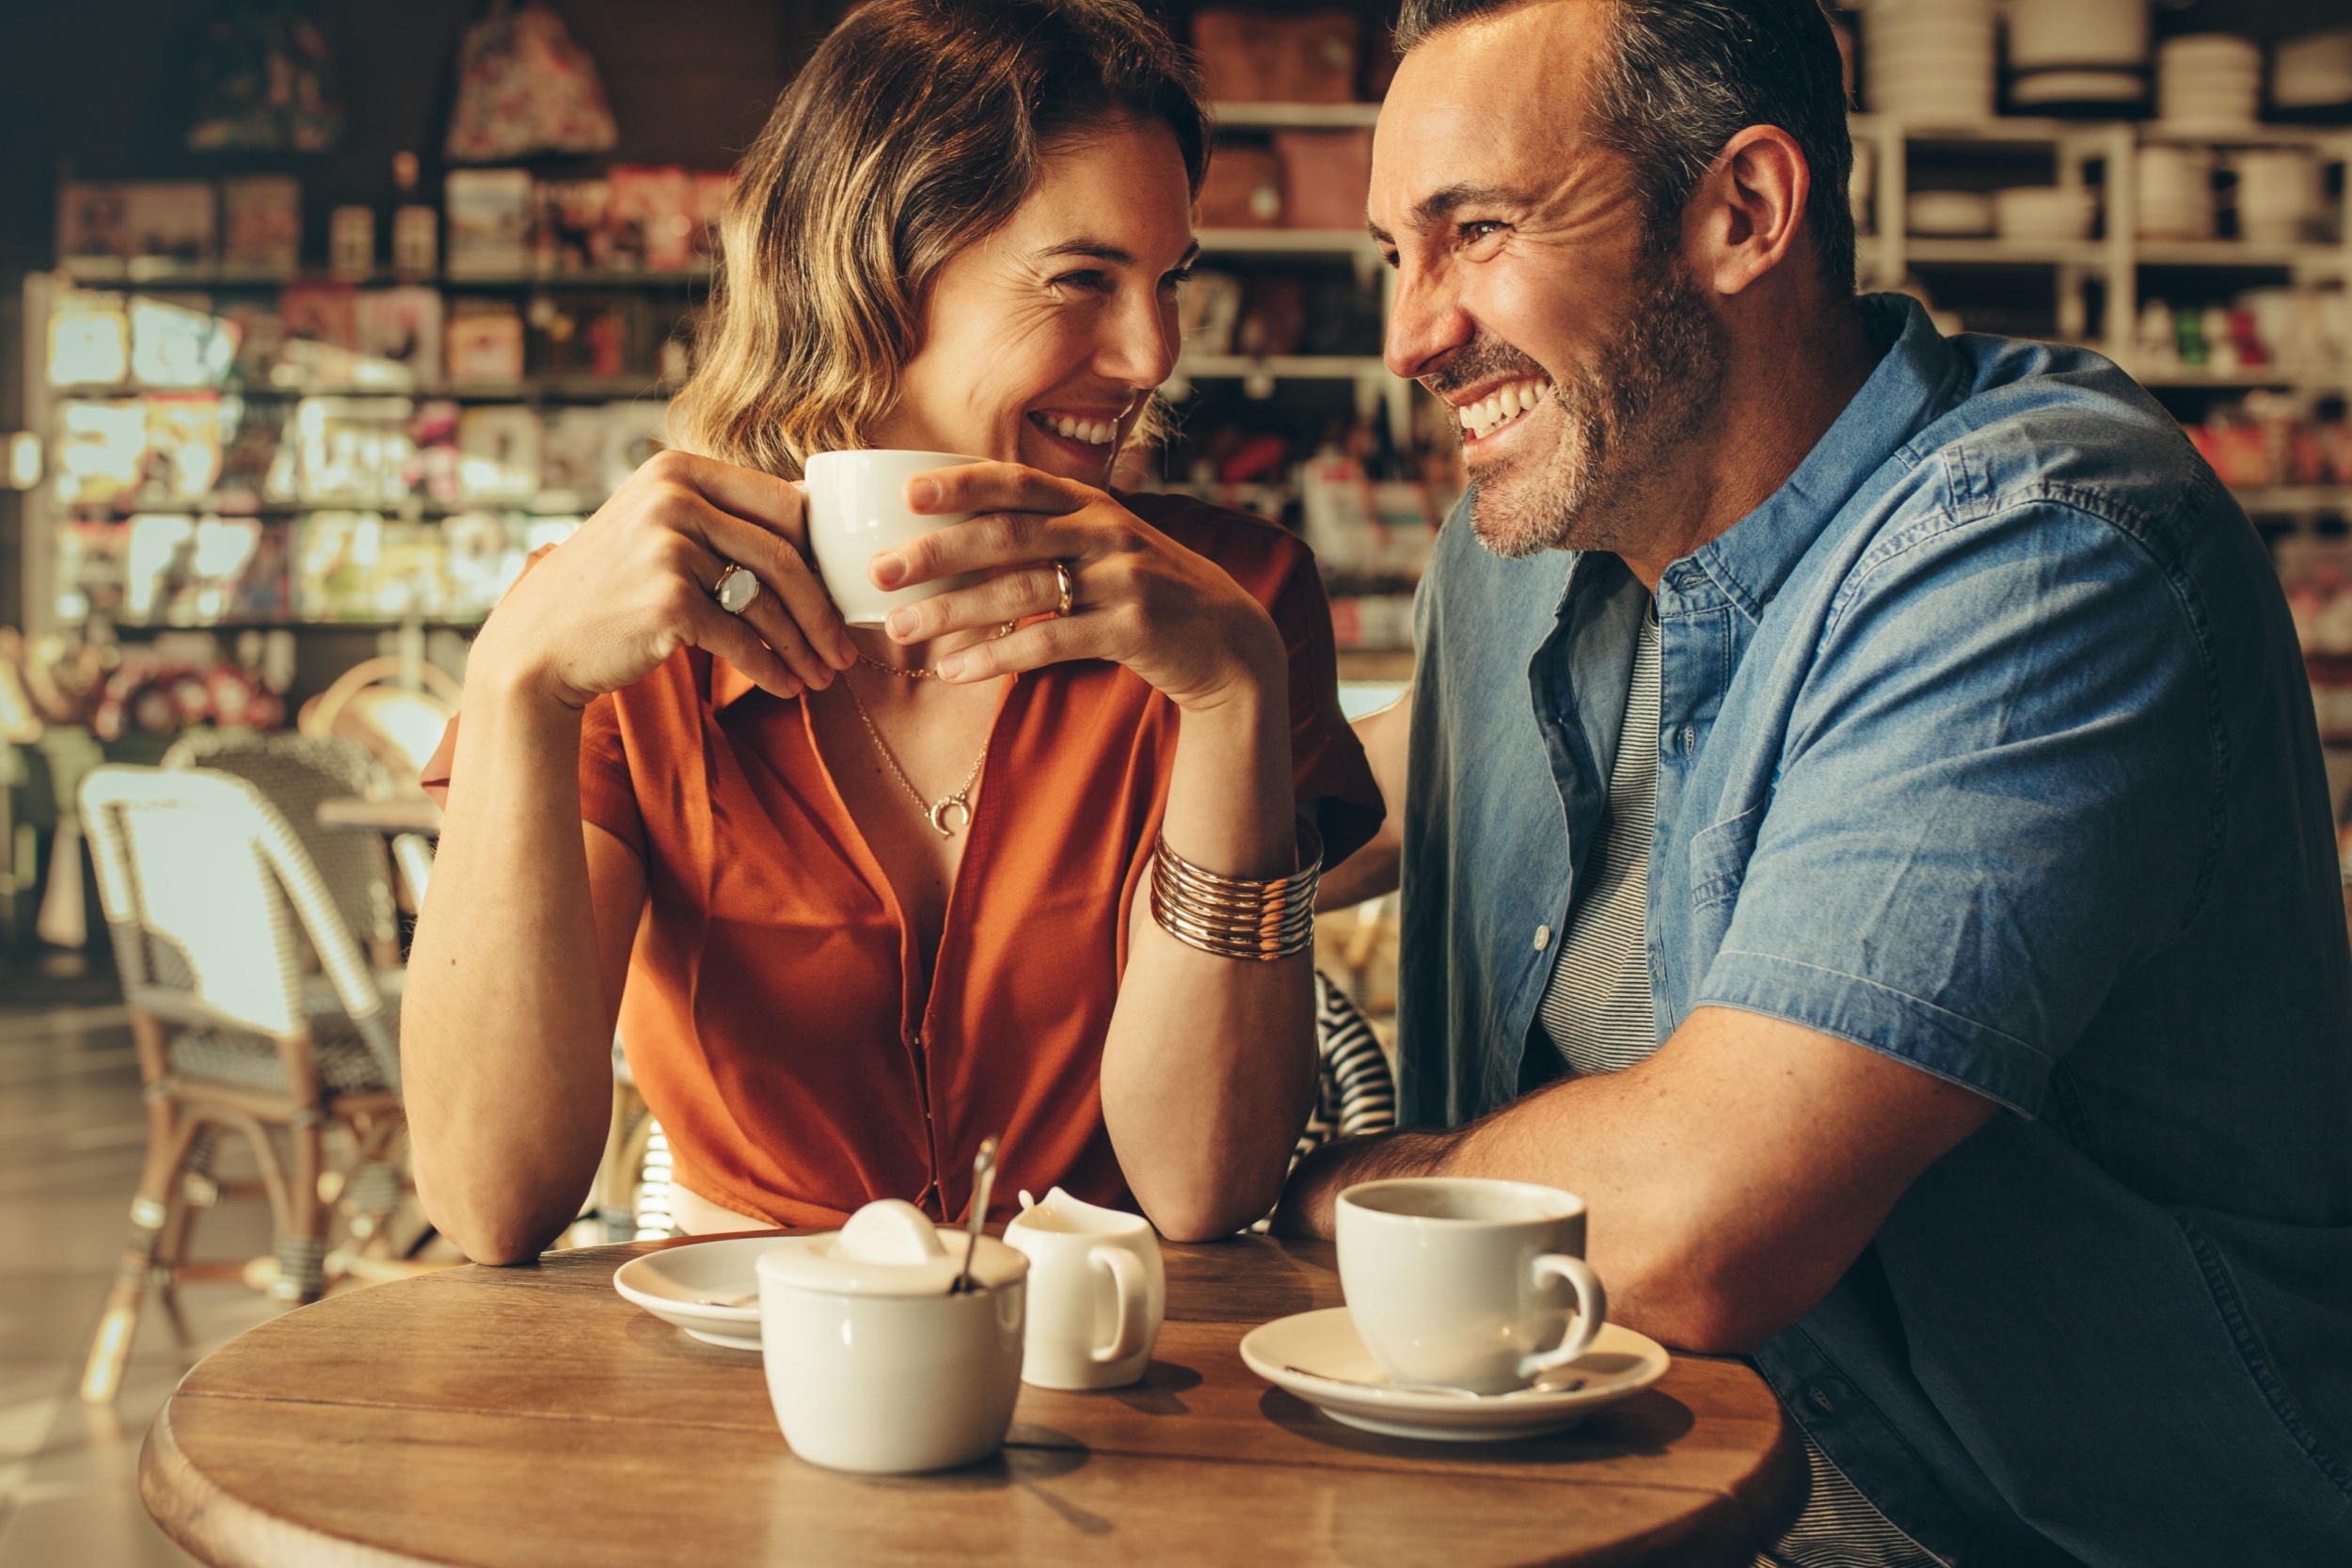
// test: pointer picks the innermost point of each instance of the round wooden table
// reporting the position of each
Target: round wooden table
(529, 1417)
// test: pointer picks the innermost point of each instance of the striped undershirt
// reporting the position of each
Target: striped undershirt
(1598, 1014)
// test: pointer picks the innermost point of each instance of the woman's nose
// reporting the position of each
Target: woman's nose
(1139, 343)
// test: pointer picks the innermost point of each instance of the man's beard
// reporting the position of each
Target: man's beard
(1622, 420)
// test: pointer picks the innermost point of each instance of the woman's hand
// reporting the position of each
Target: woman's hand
(634, 585)
(1137, 597)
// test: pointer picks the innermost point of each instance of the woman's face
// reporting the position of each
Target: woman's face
(1041, 341)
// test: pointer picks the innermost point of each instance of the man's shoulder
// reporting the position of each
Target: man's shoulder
(2041, 423)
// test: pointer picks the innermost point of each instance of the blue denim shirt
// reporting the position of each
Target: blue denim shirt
(1985, 743)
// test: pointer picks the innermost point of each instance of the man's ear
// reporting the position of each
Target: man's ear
(1748, 210)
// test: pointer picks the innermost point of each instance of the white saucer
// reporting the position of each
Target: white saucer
(670, 1284)
(1317, 1356)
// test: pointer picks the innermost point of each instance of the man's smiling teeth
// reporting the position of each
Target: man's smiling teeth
(1491, 413)
(1094, 433)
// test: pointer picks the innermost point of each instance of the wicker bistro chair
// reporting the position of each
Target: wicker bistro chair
(205, 886)
(297, 774)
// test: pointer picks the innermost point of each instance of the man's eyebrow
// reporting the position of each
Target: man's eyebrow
(1437, 205)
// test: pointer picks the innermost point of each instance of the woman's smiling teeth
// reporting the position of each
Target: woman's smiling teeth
(1094, 433)
(1482, 418)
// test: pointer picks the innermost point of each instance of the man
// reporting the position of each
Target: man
(1908, 734)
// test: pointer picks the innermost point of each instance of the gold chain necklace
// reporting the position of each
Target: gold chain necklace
(935, 810)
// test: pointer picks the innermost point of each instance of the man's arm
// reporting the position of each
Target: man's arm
(1732, 1178)
(1373, 870)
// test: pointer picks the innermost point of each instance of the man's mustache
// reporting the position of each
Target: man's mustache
(1483, 358)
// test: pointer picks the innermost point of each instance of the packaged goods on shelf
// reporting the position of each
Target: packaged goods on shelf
(345, 452)
(260, 225)
(181, 343)
(572, 459)
(136, 228)
(185, 441)
(90, 339)
(1207, 311)
(571, 226)
(322, 312)
(402, 326)
(485, 342)
(1273, 317)
(1327, 176)
(498, 454)
(102, 449)
(633, 432)
(592, 335)
(2317, 575)
(1373, 620)
(525, 86)
(654, 217)
(488, 218)
(1243, 188)
(1362, 529)
(2301, 332)
(1250, 57)
(2271, 440)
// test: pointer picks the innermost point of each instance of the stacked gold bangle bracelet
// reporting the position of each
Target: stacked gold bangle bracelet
(1233, 917)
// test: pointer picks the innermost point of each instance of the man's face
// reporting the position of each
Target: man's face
(1578, 361)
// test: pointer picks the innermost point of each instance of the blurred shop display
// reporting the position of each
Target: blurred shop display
(523, 88)
(265, 82)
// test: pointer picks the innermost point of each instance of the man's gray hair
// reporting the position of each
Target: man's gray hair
(1687, 75)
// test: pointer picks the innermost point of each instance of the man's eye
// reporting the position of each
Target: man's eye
(1483, 229)
(1177, 278)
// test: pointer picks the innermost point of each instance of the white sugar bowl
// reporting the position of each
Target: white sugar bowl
(872, 1365)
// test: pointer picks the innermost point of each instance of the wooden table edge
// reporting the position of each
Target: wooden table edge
(225, 1532)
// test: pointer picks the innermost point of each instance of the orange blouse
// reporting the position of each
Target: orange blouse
(773, 1018)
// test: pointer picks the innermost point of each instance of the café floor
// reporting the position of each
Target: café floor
(72, 1132)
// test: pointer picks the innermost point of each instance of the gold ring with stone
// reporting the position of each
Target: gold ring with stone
(734, 590)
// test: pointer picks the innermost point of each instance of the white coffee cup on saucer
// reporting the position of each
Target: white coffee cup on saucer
(1458, 1280)
(1097, 1292)
(857, 508)
(872, 1364)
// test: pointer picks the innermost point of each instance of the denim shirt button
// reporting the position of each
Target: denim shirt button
(1820, 1399)
(1543, 938)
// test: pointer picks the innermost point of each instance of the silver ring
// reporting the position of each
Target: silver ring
(1069, 589)
(734, 590)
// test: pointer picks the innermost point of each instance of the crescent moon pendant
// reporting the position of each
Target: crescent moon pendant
(938, 815)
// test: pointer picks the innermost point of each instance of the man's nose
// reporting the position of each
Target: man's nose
(1427, 321)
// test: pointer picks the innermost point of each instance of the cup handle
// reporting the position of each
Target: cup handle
(1592, 1311)
(1134, 1301)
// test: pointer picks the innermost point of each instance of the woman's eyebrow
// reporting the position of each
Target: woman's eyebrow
(1102, 250)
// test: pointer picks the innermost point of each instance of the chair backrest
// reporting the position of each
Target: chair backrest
(369, 705)
(295, 773)
(205, 885)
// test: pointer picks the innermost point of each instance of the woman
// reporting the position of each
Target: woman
(961, 230)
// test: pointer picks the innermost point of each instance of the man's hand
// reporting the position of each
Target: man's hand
(1732, 1178)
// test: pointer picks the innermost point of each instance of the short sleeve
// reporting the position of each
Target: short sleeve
(1998, 792)
(608, 798)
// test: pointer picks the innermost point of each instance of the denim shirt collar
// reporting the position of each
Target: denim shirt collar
(1918, 378)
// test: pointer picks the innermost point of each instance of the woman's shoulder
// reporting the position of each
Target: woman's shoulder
(1259, 555)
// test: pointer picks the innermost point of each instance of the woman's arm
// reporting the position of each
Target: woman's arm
(516, 976)
(515, 983)
(1208, 1069)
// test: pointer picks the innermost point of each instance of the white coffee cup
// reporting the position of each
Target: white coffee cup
(1457, 1280)
(856, 508)
(872, 1364)
(1097, 1292)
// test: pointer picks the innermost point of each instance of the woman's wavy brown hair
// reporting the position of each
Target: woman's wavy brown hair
(915, 130)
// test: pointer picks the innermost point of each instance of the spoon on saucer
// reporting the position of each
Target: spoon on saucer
(1439, 1387)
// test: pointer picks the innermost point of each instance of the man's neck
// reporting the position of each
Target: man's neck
(1782, 388)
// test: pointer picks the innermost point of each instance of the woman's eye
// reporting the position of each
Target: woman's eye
(1177, 280)
(1089, 278)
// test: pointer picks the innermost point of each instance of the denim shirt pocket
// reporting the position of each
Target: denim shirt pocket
(1719, 859)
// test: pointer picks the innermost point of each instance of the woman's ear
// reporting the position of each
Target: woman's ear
(1749, 208)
